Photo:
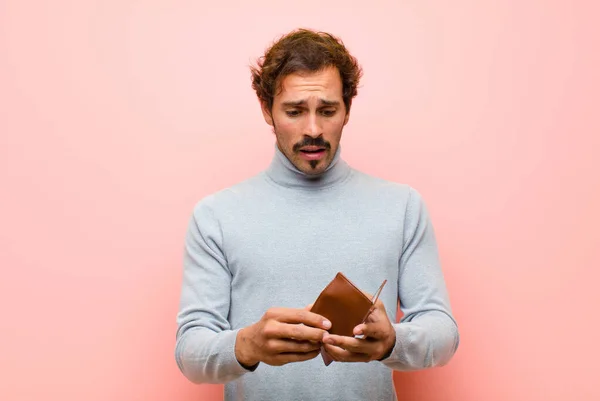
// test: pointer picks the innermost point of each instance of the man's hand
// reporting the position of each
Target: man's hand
(378, 339)
(281, 336)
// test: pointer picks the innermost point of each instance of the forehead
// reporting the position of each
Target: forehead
(325, 84)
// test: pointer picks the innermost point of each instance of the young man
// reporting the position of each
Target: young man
(260, 252)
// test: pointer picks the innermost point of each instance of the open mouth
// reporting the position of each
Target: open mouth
(312, 152)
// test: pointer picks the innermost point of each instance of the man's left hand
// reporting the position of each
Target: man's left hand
(378, 339)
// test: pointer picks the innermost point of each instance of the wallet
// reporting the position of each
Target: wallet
(345, 306)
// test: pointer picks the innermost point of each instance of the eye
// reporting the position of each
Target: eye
(293, 113)
(328, 112)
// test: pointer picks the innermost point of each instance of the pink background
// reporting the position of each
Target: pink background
(117, 116)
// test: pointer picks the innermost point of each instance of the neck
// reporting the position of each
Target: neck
(283, 172)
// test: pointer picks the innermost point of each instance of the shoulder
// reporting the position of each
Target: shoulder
(227, 200)
(400, 200)
(390, 190)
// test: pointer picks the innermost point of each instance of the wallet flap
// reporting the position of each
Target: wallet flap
(345, 306)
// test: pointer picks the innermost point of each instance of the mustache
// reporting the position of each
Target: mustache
(312, 142)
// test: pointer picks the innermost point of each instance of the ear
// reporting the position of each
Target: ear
(347, 118)
(266, 113)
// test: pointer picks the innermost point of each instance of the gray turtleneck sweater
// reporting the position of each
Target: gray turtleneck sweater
(276, 240)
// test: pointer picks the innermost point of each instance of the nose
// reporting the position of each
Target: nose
(313, 128)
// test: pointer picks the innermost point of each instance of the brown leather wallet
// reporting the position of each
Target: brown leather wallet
(345, 306)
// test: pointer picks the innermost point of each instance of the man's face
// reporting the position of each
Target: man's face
(308, 117)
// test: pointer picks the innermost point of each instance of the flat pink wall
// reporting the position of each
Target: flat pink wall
(117, 116)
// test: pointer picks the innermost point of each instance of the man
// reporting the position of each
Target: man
(260, 252)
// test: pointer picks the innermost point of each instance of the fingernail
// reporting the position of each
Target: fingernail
(327, 324)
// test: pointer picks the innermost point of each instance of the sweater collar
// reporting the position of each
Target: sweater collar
(283, 172)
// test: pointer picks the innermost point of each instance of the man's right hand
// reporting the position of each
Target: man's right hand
(281, 336)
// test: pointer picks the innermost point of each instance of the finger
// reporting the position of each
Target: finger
(359, 330)
(377, 316)
(342, 355)
(297, 332)
(289, 315)
(376, 313)
(351, 344)
(282, 346)
(375, 330)
(308, 307)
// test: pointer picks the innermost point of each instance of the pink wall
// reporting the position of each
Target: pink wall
(117, 116)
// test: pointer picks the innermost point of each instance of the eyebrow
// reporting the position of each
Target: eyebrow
(322, 102)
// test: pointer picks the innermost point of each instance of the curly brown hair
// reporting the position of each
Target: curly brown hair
(304, 50)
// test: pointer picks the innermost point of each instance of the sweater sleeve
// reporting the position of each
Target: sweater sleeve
(427, 335)
(205, 346)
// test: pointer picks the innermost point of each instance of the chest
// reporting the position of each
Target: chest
(297, 248)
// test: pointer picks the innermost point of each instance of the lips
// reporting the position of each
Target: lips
(312, 149)
(310, 153)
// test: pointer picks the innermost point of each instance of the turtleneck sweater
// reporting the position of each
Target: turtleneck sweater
(276, 240)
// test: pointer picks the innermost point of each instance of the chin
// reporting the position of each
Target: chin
(308, 170)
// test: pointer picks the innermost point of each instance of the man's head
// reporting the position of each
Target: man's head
(305, 83)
